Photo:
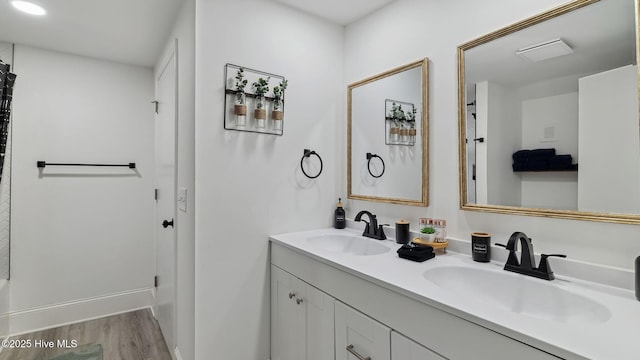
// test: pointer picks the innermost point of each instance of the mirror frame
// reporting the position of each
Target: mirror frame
(513, 210)
(424, 201)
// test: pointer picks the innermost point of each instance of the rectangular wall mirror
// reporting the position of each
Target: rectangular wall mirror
(548, 115)
(387, 136)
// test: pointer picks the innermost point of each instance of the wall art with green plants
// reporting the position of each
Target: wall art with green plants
(254, 100)
(400, 123)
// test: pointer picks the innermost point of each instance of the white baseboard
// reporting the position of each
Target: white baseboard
(30, 320)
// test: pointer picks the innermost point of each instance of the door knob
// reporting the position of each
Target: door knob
(166, 223)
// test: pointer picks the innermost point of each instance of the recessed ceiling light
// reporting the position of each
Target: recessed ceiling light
(545, 50)
(28, 7)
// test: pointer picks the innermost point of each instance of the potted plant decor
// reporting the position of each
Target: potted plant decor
(277, 113)
(428, 233)
(240, 107)
(397, 118)
(261, 87)
(411, 121)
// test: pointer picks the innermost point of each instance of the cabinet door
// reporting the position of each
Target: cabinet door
(403, 348)
(319, 311)
(359, 334)
(284, 316)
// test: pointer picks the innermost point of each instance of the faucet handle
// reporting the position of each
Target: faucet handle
(544, 267)
(512, 259)
(381, 234)
(544, 263)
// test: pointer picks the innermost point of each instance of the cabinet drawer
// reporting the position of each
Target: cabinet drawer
(359, 334)
(403, 348)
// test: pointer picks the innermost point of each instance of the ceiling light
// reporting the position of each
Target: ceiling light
(28, 7)
(545, 50)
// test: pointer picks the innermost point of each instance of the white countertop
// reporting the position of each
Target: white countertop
(617, 338)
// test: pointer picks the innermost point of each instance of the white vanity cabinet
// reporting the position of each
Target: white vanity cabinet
(302, 319)
(403, 348)
(359, 336)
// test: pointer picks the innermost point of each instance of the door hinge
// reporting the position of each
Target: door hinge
(155, 194)
(155, 102)
(155, 281)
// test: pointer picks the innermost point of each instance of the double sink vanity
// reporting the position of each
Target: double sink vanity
(336, 294)
(335, 290)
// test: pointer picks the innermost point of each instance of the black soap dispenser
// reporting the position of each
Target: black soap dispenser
(339, 220)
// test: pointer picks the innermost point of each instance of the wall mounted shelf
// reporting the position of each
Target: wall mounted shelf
(245, 116)
(573, 169)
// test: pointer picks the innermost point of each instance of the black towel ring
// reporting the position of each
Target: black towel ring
(371, 156)
(308, 153)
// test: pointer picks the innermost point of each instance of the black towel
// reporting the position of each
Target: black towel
(534, 164)
(542, 153)
(520, 155)
(560, 162)
(416, 253)
(533, 154)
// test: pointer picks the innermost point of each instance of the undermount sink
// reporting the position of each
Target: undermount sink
(518, 294)
(348, 244)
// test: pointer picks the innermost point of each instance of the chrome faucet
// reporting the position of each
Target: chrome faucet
(527, 263)
(371, 229)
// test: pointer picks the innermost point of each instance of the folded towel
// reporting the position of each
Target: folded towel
(536, 164)
(520, 154)
(546, 153)
(416, 253)
(559, 162)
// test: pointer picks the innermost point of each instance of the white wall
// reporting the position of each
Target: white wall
(250, 185)
(498, 121)
(551, 190)
(609, 110)
(482, 151)
(80, 236)
(435, 29)
(503, 138)
(184, 31)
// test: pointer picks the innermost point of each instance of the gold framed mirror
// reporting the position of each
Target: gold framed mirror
(387, 136)
(559, 87)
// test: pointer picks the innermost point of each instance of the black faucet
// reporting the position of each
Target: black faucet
(371, 229)
(527, 263)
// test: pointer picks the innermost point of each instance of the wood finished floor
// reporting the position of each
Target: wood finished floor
(131, 336)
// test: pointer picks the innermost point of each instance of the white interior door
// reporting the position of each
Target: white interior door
(165, 162)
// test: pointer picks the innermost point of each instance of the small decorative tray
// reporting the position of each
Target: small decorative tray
(438, 247)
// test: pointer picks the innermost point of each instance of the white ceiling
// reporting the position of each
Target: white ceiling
(341, 12)
(602, 36)
(132, 31)
(128, 31)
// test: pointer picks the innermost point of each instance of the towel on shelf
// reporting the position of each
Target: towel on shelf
(560, 162)
(520, 155)
(542, 153)
(533, 154)
(535, 164)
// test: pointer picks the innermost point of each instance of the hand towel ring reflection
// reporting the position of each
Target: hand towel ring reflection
(308, 153)
(371, 156)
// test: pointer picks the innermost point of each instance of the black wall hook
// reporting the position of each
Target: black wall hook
(371, 156)
(308, 153)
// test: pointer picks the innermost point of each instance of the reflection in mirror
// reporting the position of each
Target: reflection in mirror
(387, 136)
(548, 115)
